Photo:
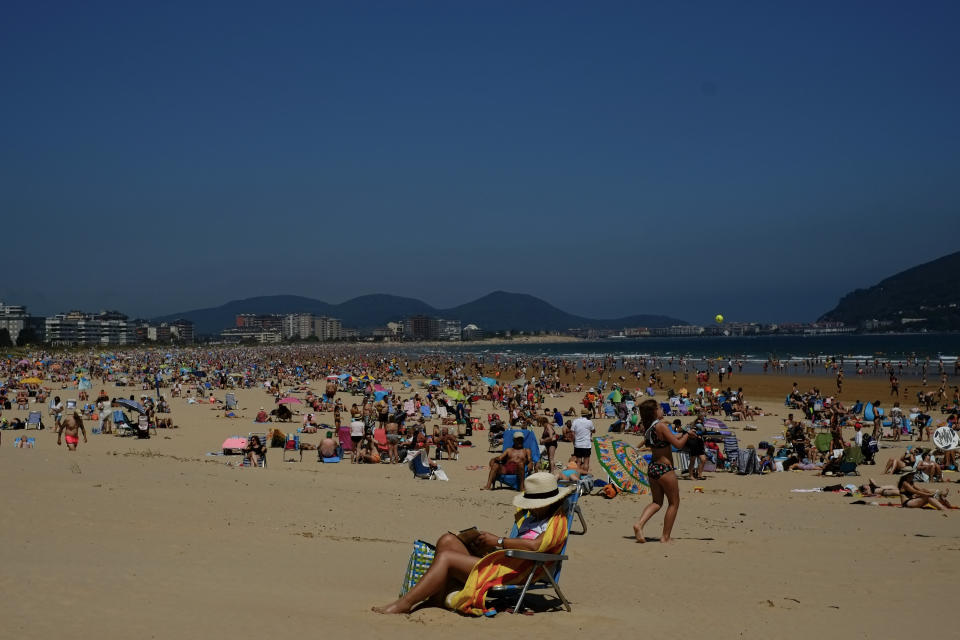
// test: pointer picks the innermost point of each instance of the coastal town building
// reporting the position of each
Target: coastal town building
(247, 334)
(298, 326)
(420, 327)
(262, 321)
(79, 328)
(181, 331)
(448, 330)
(14, 318)
(473, 332)
(328, 329)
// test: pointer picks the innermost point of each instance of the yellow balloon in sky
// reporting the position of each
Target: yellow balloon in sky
(718, 318)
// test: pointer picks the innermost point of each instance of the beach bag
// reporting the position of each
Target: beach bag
(610, 490)
(420, 560)
(747, 462)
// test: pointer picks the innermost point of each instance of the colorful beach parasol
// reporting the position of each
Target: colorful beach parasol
(454, 393)
(32, 380)
(606, 448)
(632, 461)
(290, 400)
(489, 381)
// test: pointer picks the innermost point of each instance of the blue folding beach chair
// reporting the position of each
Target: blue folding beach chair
(529, 442)
(547, 565)
(425, 412)
(731, 451)
(34, 420)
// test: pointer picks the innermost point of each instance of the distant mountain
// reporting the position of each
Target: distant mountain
(926, 296)
(496, 311)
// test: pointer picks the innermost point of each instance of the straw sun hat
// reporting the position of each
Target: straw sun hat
(541, 490)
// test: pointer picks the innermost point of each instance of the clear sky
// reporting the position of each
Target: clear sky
(758, 159)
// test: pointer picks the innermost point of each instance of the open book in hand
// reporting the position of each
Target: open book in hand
(467, 536)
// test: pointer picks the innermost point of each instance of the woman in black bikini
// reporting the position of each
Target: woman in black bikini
(915, 497)
(549, 440)
(660, 472)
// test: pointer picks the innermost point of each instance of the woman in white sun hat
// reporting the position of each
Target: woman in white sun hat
(457, 555)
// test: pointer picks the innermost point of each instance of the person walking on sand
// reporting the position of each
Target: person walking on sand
(663, 480)
(68, 428)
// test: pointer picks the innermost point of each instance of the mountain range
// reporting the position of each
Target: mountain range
(926, 296)
(496, 311)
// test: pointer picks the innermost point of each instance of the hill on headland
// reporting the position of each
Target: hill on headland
(497, 311)
(926, 296)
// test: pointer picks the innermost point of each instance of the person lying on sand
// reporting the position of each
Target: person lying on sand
(872, 489)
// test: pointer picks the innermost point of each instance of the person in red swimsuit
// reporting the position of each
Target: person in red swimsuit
(513, 461)
(69, 428)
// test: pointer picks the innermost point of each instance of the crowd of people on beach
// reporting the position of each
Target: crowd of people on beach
(388, 407)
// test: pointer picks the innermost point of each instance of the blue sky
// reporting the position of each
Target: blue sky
(752, 158)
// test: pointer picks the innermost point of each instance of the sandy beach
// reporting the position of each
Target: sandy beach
(155, 538)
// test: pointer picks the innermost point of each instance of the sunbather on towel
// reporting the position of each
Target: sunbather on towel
(872, 489)
(454, 560)
(328, 446)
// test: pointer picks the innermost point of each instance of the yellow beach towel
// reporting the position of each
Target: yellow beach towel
(495, 569)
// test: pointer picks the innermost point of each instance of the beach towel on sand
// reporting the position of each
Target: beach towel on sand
(496, 568)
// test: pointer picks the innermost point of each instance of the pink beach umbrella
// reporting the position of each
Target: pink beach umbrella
(290, 400)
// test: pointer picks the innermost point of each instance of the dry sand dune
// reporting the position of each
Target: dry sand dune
(154, 539)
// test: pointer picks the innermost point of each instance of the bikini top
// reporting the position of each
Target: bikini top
(651, 438)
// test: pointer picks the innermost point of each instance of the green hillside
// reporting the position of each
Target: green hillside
(922, 297)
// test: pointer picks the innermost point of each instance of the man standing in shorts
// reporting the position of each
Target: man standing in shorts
(582, 429)
(71, 425)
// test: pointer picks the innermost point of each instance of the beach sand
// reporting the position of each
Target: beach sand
(153, 538)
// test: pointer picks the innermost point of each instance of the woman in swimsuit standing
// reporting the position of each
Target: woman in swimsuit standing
(660, 472)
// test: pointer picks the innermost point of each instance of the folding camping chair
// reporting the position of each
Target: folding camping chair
(731, 451)
(121, 425)
(546, 564)
(144, 424)
(23, 442)
(380, 440)
(529, 442)
(34, 419)
(420, 465)
(346, 443)
(291, 444)
(231, 402)
(266, 447)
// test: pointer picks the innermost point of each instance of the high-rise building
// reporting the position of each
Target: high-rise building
(298, 326)
(181, 331)
(77, 327)
(448, 330)
(420, 327)
(262, 321)
(14, 318)
(327, 329)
